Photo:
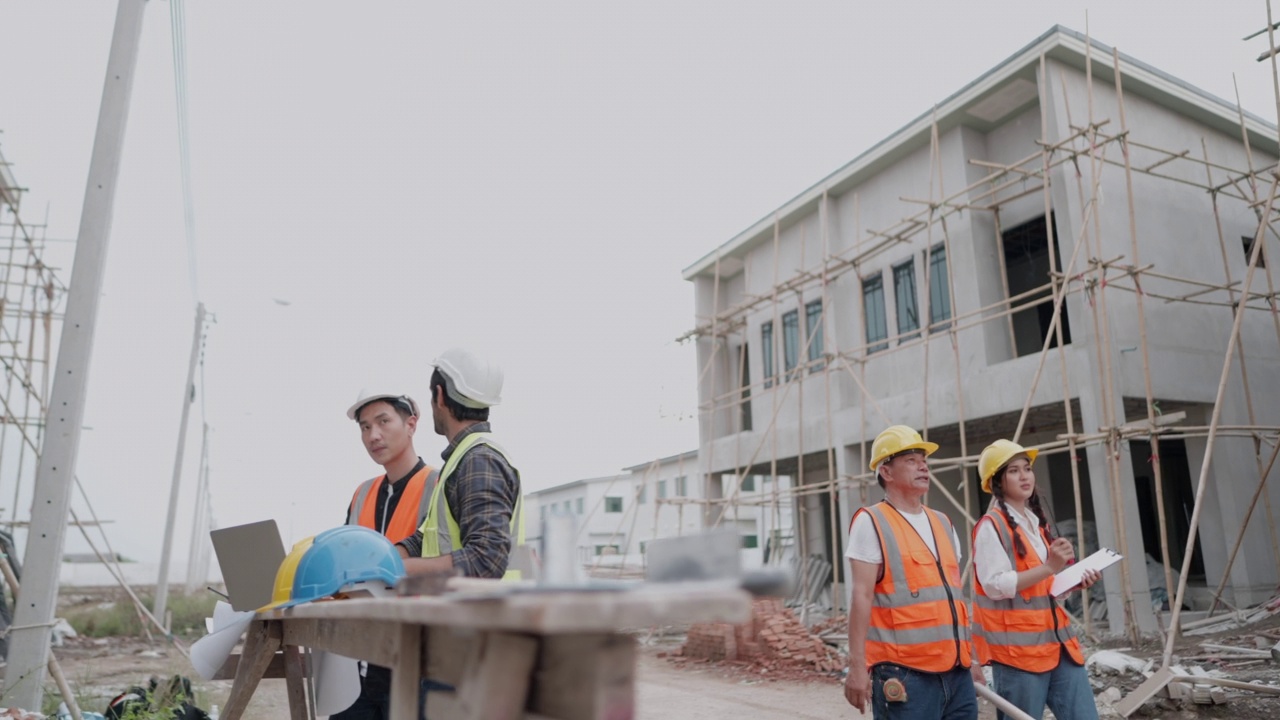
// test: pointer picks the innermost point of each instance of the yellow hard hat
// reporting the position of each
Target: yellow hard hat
(896, 438)
(997, 455)
(282, 592)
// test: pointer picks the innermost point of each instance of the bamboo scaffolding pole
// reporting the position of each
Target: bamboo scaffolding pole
(802, 511)
(1244, 370)
(1213, 423)
(934, 171)
(713, 414)
(1102, 338)
(833, 496)
(1153, 438)
(1059, 291)
(862, 368)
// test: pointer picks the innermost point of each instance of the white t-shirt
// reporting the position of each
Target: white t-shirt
(864, 543)
(991, 560)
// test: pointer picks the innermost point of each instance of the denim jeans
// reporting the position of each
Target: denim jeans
(931, 696)
(374, 702)
(1065, 689)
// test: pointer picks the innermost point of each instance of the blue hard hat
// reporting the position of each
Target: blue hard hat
(342, 557)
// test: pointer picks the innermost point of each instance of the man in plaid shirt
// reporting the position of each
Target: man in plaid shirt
(480, 488)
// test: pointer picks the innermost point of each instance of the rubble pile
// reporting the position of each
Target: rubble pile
(773, 639)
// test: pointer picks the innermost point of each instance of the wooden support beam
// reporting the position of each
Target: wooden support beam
(273, 671)
(294, 677)
(260, 645)
(495, 678)
(585, 677)
(406, 678)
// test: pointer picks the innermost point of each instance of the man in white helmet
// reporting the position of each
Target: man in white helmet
(394, 504)
(474, 519)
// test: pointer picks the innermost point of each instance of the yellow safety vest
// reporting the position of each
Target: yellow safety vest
(440, 540)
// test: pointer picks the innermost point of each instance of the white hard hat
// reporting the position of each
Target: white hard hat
(365, 397)
(469, 380)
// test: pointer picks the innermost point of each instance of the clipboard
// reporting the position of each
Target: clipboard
(1071, 575)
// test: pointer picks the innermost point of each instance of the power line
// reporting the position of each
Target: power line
(178, 28)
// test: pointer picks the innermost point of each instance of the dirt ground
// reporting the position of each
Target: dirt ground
(674, 688)
(665, 690)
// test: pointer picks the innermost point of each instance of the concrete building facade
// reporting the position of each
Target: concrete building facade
(919, 285)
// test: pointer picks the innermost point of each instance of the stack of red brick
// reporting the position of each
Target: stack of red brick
(774, 637)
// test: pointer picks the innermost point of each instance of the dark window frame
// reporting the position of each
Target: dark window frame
(814, 336)
(766, 350)
(790, 344)
(906, 294)
(877, 332)
(939, 289)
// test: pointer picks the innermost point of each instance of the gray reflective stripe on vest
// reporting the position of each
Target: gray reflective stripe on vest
(1017, 602)
(442, 524)
(892, 554)
(915, 637)
(362, 494)
(424, 502)
(1024, 639)
(1002, 530)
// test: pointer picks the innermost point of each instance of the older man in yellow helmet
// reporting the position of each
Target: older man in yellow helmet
(909, 646)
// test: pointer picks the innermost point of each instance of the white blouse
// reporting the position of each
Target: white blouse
(991, 560)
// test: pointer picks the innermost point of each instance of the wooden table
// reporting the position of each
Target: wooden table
(525, 654)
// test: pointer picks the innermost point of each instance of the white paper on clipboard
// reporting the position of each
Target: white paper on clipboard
(1072, 574)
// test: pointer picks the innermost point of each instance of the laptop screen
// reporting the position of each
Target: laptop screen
(249, 556)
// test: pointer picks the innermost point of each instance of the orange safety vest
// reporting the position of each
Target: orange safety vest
(1027, 631)
(919, 618)
(410, 509)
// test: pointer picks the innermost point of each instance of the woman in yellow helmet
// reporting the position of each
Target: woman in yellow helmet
(1019, 628)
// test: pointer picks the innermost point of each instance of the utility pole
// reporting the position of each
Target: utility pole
(197, 571)
(35, 604)
(188, 396)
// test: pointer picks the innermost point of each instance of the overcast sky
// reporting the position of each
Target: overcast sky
(524, 178)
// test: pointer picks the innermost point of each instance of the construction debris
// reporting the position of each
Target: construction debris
(1231, 621)
(19, 714)
(1116, 663)
(773, 639)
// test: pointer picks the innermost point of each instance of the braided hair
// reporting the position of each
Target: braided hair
(997, 490)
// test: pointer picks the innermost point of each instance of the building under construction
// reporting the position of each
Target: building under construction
(1072, 252)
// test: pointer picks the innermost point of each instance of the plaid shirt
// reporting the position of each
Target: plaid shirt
(482, 493)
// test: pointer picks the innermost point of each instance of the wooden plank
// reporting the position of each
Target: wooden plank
(275, 669)
(294, 675)
(495, 681)
(545, 613)
(369, 640)
(585, 677)
(260, 644)
(406, 675)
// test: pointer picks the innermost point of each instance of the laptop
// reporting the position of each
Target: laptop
(249, 556)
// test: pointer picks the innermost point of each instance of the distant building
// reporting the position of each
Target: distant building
(618, 515)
